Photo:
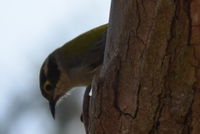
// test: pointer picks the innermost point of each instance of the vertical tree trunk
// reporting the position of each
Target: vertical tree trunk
(195, 41)
(149, 82)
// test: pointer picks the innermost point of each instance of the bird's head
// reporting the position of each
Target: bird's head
(54, 82)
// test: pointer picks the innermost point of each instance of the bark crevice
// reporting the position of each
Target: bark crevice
(146, 84)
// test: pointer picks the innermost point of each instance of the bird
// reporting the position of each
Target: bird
(73, 64)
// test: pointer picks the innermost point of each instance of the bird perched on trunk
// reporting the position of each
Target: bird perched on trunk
(74, 64)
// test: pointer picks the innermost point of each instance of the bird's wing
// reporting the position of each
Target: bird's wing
(94, 58)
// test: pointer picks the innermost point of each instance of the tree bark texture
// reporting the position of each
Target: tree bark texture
(195, 41)
(149, 82)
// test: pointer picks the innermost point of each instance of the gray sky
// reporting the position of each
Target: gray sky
(30, 30)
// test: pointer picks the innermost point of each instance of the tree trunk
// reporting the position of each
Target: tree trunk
(149, 82)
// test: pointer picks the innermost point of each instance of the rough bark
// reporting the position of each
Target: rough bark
(195, 41)
(149, 83)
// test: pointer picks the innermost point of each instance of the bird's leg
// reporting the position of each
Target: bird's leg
(85, 112)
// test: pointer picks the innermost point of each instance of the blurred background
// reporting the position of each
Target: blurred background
(29, 31)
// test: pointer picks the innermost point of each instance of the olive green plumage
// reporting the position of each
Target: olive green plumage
(74, 64)
(85, 50)
(84, 41)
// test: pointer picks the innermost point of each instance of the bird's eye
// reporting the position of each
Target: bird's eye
(48, 87)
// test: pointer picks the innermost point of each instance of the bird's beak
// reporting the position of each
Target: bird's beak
(52, 105)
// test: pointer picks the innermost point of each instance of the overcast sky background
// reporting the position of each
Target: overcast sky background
(29, 31)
